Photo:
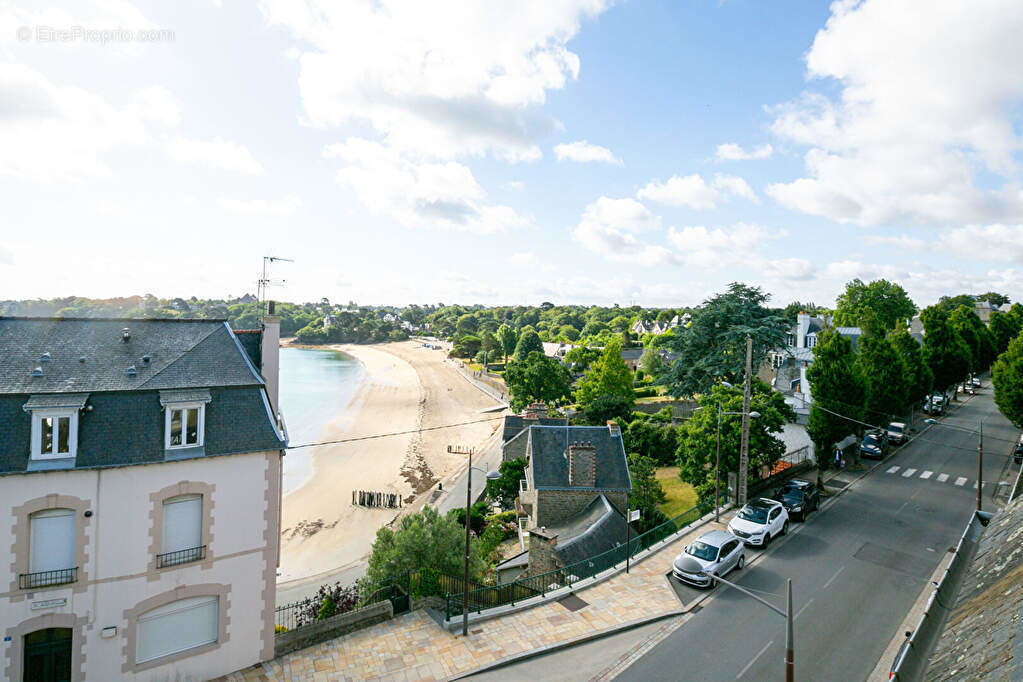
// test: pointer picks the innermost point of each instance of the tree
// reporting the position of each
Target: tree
(994, 298)
(538, 378)
(652, 439)
(944, 352)
(608, 375)
(466, 346)
(508, 339)
(581, 357)
(697, 450)
(467, 324)
(477, 516)
(505, 490)
(880, 303)
(1004, 328)
(919, 378)
(424, 540)
(792, 310)
(1007, 377)
(646, 494)
(489, 345)
(606, 408)
(528, 342)
(838, 389)
(975, 334)
(651, 362)
(713, 346)
(885, 379)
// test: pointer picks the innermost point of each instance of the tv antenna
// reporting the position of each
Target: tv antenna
(265, 280)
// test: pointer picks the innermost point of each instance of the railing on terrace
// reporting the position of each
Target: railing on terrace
(519, 590)
(62, 576)
(182, 556)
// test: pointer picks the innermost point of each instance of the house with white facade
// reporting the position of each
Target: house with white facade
(140, 486)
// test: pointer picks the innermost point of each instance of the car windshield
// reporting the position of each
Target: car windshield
(792, 494)
(703, 551)
(895, 429)
(870, 440)
(754, 514)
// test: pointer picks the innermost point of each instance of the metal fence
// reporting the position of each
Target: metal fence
(532, 586)
(913, 664)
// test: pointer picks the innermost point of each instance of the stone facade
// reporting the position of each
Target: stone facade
(515, 448)
(552, 507)
(542, 557)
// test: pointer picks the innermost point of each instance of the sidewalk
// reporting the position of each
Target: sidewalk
(414, 647)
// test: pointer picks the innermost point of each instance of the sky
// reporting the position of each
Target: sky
(575, 151)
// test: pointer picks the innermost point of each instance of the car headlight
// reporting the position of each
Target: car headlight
(797, 508)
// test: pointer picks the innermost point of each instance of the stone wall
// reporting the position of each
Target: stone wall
(541, 553)
(322, 630)
(515, 448)
(556, 506)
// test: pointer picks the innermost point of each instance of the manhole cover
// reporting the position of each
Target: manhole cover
(572, 602)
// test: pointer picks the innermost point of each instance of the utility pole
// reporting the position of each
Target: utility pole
(980, 467)
(468, 507)
(717, 473)
(790, 656)
(744, 447)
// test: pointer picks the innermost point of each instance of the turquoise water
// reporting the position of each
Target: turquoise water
(316, 386)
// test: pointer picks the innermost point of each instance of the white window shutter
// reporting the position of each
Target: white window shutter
(52, 540)
(177, 627)
(182, 523)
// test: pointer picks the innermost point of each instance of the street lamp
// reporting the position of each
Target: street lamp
(980, 452)
(491, 475)
(717, 463)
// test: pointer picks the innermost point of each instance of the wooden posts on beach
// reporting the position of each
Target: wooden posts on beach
(375, 499)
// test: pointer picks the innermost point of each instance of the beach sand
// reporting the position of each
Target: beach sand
(406, 387)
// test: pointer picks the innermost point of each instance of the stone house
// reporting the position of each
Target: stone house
(516, 430)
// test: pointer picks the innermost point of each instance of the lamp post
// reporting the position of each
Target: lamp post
(492, 475)
(717, 463)
(980, 453)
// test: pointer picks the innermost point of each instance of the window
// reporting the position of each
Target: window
(51, 558)
(176, 627)
(182, 530)
(185, 425)
(54, 434)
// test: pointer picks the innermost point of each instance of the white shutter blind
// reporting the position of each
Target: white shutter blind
(177, 627)
(52, 540)
(182, 523)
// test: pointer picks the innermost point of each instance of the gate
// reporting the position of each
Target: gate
(48, 655)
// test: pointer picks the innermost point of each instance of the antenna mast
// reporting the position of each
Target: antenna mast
(265, 281)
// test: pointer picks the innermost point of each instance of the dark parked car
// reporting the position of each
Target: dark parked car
(799, 498)
(874, 445)
(1018, 453)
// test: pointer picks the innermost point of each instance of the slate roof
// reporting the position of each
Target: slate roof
(87, 355)
(983, 636)
(548, 456)
(514, 424)
(598, 528)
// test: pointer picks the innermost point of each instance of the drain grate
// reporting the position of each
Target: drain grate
(572, 602)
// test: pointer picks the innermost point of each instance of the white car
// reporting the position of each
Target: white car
(712, 554)
(759, 522)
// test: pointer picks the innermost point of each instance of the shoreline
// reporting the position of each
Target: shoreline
(405, 387)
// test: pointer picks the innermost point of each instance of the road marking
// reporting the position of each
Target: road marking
(942, 478)
(832, 578)
(804, 608)
(926, 474)
(982, 484)
(960, 480)
(750, 664)
(892, 470)
(908, 472)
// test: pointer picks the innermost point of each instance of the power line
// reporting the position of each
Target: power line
(392, 433)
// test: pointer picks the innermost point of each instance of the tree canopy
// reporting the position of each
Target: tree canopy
(1004, 327)
(877, 306)
(505, 490)
(837, 386)
(608, 375)
(529, 341)
(885, 379)
(424, 540)
(919, 378)
(713, 347)
(1007, 377)
(538, 378)
(944, 351)
(646, 492)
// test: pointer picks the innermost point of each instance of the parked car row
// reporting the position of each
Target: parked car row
(874, 444)
(1017, 454)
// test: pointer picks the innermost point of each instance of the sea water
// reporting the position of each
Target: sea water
(316, 387)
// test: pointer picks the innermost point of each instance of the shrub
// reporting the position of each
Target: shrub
(646, 392)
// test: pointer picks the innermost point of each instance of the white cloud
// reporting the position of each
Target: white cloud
(708, 248)
(925, 108)
(790, 269)
(904, 242)
(52, 132)
(157, 105)
(609, 227)
(523, 258)
(278, 208)
(215, 153)
(516, 185)
(6, 258)
(443, 78)
(733, 152)
(997, 243)
(584, 152)
(693, 191)
(419, 193)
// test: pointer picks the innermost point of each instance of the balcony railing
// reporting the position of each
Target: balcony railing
(28, 581)
(182, 556)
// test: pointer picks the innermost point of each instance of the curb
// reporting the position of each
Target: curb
(613, 630)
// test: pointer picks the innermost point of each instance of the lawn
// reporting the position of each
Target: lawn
(681, 496)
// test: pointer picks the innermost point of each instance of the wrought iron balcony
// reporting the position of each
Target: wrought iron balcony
(62, 576)
(182, 556)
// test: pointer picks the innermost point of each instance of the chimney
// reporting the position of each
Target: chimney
(802, 326)
(612, 427)
(582, 465)
(271, 343)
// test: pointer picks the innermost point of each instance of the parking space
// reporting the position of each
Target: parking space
(687, 594)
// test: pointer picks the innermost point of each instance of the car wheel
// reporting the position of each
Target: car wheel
(742, 562)
(767, 540)
(785, 528)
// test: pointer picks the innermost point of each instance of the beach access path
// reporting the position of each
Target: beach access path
(406, 387)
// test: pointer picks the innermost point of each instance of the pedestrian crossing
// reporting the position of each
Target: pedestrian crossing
(926, 474)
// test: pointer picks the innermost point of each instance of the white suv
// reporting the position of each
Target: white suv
(759, 522)
(712, 554)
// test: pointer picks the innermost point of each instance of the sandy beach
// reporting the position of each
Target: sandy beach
(406, 387)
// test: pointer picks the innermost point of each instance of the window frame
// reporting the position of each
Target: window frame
(200, 425)
(148, 616)
(38, 415)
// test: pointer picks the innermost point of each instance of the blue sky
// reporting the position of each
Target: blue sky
(578, 151)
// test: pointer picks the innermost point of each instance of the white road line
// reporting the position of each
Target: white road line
(804, 608)
(908, 472)
(960, 480)
(750, 664)
(926, 474)
(892, 470)
(942, 478)
(975, 484)
(832, 578)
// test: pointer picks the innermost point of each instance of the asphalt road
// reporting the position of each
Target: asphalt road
(857, 567)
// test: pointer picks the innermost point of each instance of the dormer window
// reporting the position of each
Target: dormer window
(54, 433)
(185, 425)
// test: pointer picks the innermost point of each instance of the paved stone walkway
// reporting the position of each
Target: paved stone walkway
(414, 647)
